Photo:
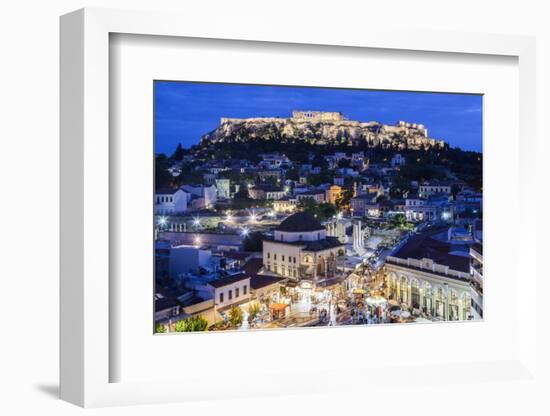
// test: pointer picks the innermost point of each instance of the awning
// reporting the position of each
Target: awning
(278, 306)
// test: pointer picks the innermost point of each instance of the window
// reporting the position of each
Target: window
(294, 260)
(244, 289)
(221, 297)
(236, 292)
(268, 255)
(230, 294)
(275, 256)
(282, 258)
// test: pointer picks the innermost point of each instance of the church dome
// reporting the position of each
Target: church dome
(300, 222)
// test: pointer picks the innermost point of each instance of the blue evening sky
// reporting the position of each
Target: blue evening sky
(185, 111)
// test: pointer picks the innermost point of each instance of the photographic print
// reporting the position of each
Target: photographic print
(294, 207)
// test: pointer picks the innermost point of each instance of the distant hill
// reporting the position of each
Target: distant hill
(322, 129)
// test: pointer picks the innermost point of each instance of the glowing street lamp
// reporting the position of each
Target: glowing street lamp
(196, 221)
(162, 221)
(245, 232)
(253, 217)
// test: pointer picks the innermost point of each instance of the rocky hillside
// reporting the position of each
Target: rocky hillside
(401, 136)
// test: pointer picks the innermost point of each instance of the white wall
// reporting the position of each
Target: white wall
(29, 108)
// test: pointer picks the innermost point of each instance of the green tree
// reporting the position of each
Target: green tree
(160, 329)
(292, 174)
(193, 324)
(253, 310)
(399, 220)
(163, 178)
(344, 199)
(178, 154)
(235, 316)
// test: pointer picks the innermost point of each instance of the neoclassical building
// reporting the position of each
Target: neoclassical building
(428, 275)
(300, 249)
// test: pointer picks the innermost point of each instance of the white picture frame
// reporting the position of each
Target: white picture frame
(85, 210)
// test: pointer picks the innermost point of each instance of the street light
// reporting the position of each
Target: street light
(245, 232)
(196, 221)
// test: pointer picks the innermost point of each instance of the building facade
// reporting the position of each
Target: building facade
(431, 188)
(171, 201)
(317, 115)
(426, 275)
(300, 249)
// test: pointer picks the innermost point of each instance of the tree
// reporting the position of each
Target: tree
(163, 177)
(344, 199)
(399, 220)
(322, 211)
(178, 154)
(235, 316)
(253, 310)
(193, 324)
(292, 174)
(160, 329)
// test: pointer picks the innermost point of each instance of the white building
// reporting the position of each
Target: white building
(427, 274)
(266, 192)
(223, 187)
(285, 205)
(206, 195)
(317, 195)
(301, 249)
(230, 291)
(274, 160)
(188, 259)
(397, 160)
(434, 187)
(428, 209)
(171, 201)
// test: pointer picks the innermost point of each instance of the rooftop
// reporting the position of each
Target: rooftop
(165, 191)
(253, 265)
(300, 222)
(224, 281)
(259, 281)
(422, 246)
(320, 245)
(164, 298)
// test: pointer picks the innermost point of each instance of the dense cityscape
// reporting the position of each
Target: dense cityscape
(316, 220)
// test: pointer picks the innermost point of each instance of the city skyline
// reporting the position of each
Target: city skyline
(186, 110)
